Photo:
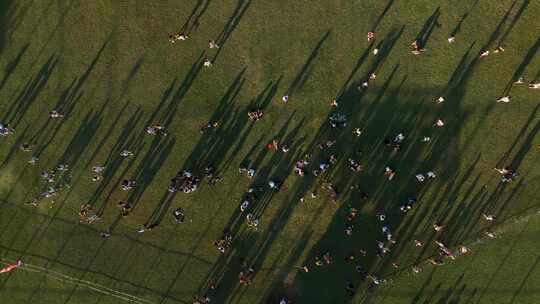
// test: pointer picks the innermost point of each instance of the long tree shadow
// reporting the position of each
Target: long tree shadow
(20, 105)
(50, 128)
(214, 143)
(381, 16)
(192, 22)
(503, 160)
(452, 292)
(149, 167)
(523, 65)
(305, 71)
(134, 70)
(12, 65)
(514, 21)
(527, 276)
(65, 105)
(423, 36)
(262, 101)
(497, 32)
(82, 137)
(525, 147)
(232, 23)
(170, 110)
(457, 29)
(385, 47)
(6, 10)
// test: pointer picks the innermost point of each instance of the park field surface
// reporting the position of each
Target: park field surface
(109, 68)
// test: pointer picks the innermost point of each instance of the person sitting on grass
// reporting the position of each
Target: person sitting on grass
(156, 129)
(389, 172)
(125, 208)
(179, 216)
(55, 114)
(417, 48)
(255, 114)
(128, 184)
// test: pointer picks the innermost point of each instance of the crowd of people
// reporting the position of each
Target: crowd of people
(306, 166)
(186, 181)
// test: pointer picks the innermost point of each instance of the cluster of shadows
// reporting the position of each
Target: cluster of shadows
(456, 198)
(497, 39)
(192, 22)
(251, 248)
(149, 157)
(143, 168)
(423, 36)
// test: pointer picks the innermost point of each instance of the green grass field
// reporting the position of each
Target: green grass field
(108, 66)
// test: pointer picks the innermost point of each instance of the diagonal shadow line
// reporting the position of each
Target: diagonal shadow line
(526, 147)
(524, 129)
(514, 21)
(355, 69)
(231, 25)
(518, 291)
(457, 29)
(304, 72)
(429, 26)
(12, 65)
(523, 65)
(495, 34)
(381, 16)
(198, 11)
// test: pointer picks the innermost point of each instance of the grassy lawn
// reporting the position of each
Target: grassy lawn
(503, 270)
(109, 68)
